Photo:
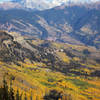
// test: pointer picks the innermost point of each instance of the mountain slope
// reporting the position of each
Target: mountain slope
(73, 24)
(46, 4)
(35, 4)
(10, 5)
(15, 48)
(38, 66)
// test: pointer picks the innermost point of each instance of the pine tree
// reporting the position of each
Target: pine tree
(53, 95)
(31, 96)
(17, 95)
(5, 92)
(1, 93)
(20, 98)
(25, 98)
(11, 92)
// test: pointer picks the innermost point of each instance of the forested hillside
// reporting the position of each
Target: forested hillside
(74, 24)
(44, 70)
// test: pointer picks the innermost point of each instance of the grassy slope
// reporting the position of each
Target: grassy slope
(39, 79)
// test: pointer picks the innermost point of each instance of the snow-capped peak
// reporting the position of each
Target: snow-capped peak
(46, 4)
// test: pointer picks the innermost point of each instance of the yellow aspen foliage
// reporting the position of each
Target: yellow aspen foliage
(76, 59)
(63, 57)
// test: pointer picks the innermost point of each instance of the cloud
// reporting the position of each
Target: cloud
(55, 1)
(4, 1)
(46, 3)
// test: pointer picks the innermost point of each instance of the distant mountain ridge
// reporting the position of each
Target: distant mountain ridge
(73, 24)
(36, 4)
(10, 5)
(55, 49)
(44, 4)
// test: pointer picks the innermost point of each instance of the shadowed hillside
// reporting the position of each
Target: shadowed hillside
(74, 24)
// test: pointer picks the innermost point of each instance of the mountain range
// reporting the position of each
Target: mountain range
(49, 54)
(44, 4)
(75, 24)
(36, 65)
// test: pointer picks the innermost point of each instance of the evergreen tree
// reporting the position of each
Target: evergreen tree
(17, 95)
(53, 95)
(31, 96)
(20, 97)
(5, 92)
(25, 98)
(11, 92)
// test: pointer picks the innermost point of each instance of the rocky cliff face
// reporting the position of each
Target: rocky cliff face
(14, 48)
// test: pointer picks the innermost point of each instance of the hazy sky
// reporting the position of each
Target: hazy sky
(4, 0)
(59, 0)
